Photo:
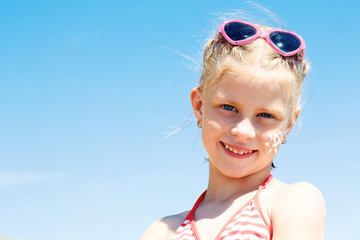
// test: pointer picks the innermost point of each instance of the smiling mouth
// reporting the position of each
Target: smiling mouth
(240, 152)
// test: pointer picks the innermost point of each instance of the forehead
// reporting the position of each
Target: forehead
(251, 87)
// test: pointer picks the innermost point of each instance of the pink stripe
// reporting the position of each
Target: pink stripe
(257, 215)
(259, 225)
(250, 208)
(249, 217)
(239, 233)
(183, 235)
(244, 217)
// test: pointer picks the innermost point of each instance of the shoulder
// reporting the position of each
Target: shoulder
(298, 195)
(163, 228)
(297, 212)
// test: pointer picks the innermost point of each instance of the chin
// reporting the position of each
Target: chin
(233, 172)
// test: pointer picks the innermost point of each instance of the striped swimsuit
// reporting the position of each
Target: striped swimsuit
(246, 224)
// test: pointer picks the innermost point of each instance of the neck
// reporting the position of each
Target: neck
(223, 188)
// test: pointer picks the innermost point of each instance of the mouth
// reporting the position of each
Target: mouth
(237, 151)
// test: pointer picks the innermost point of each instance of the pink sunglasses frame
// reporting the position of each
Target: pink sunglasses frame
(264, 35)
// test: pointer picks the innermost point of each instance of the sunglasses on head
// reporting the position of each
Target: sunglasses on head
(285, 43)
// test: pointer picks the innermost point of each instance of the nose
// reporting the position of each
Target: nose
(244, 129)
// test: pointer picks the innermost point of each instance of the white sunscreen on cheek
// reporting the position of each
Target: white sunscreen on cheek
(274, 142)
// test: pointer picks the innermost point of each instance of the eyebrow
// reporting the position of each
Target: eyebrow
(226, 99)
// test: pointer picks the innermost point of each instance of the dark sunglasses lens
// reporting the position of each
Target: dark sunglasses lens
(239, 31)
(285, 41)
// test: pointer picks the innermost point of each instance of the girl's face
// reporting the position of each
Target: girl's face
(238, 114)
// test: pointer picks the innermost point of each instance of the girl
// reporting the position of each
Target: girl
(246, 104)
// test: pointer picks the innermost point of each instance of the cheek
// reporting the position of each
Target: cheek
(211, 128)
(272, 140)
(212, 131)
(214, 121)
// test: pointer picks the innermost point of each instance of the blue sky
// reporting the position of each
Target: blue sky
(90, 89)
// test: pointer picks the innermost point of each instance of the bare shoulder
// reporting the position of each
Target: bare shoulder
(301, 194)
(163, 228)
(298, 212)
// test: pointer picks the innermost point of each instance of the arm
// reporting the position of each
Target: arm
(165, 227)
(298, 213)
(156, 231)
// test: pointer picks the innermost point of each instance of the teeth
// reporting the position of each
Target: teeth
(235, 151)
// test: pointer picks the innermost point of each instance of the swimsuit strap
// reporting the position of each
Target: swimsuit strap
(200, 199)
(191, 214)
(188, 230)
(256, 200)
(260, 188)
(265, 183)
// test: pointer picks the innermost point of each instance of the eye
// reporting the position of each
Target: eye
(265, 115)
(228, 107)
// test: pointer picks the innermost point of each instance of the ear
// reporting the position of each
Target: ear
(196, 102)
(293, 120)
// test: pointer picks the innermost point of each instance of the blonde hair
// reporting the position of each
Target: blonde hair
(220, 57)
